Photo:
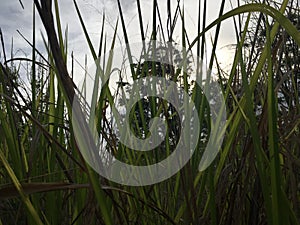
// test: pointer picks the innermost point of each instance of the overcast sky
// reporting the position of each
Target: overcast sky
(13, 18)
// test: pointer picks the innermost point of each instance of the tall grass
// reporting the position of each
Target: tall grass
(253, 180)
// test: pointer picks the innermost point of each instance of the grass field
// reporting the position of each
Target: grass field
(255, 177)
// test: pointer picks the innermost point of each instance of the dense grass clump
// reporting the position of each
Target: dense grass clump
(255, 178)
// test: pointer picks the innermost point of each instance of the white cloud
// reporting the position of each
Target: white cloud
(13, 17)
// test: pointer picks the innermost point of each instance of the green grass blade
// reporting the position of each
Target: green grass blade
(18, 186)
(87, 37)
(277, 207)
